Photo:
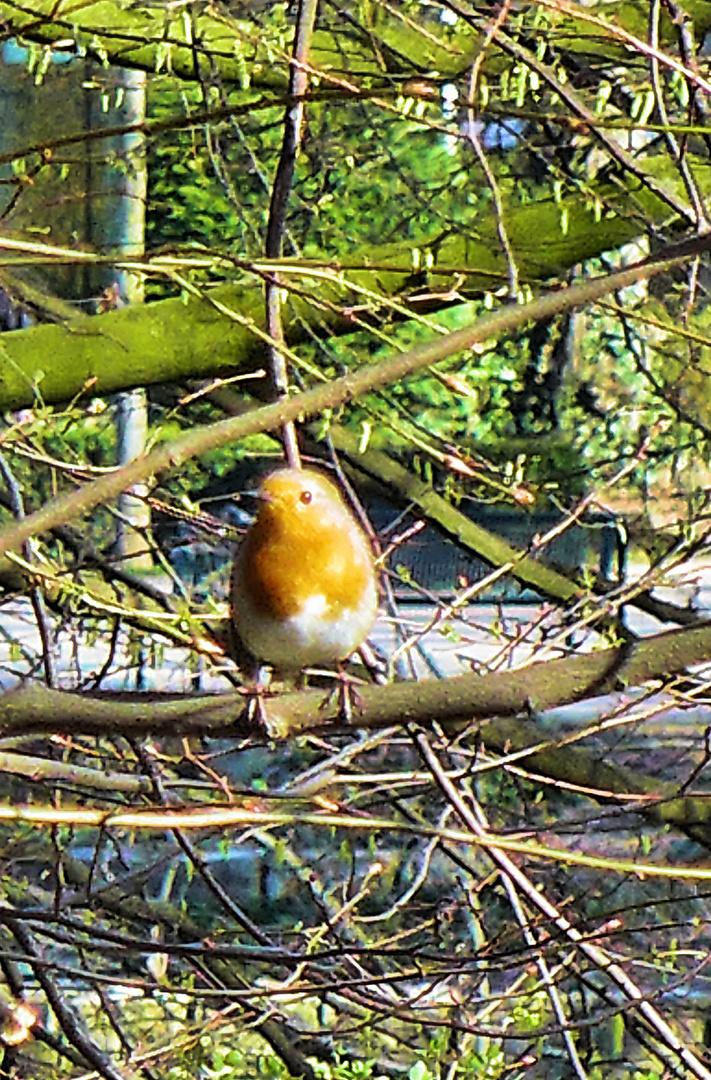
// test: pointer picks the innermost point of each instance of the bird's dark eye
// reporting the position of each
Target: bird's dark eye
(305, 497)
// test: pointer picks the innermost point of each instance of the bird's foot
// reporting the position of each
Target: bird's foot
(255, 712)
(348, 697)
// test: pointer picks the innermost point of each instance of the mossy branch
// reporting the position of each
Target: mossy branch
(222, 332)
(74, 504)
(493, 549)
(157, 38)
(496, 701)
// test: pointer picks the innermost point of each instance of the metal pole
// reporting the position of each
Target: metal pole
(131, 407)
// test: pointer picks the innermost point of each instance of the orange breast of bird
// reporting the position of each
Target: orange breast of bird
(304, 585)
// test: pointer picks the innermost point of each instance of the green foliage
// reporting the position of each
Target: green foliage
(368, 177)
(357, 185)
(188, 204)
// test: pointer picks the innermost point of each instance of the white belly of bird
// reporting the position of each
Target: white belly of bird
(308, 638)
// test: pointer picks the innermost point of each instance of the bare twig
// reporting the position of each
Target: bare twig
(283, 181)
(690, 183)
(193, 855)
(36, 597)
(546, 977)
(66, 1016)
(674, 1049)
(473, 136)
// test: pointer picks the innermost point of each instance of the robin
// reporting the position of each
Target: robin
(303, 587)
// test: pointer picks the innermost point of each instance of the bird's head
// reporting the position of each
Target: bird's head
(301, 502)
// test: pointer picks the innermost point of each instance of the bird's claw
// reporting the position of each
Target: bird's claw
(348, 696)
(255, 711)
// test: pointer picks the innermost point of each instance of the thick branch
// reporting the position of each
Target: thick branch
(74, 504)
(461, 699)
(453, 703)
(173, 340)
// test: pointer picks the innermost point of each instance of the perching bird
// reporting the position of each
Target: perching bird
(303, 585)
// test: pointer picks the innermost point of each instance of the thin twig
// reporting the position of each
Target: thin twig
(36, 597)
(546, 977)
(67, 1017)
(473, 136)
(192, 854)
(690, 183)
(675, 1049)
(283, 181)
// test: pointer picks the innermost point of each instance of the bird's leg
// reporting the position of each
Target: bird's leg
(348, 696)
(256, 694)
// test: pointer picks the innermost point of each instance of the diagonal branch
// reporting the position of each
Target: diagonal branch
(67, 1017)
(170, 455)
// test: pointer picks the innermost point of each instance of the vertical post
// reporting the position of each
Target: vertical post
(132, 407)
(135, 515)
